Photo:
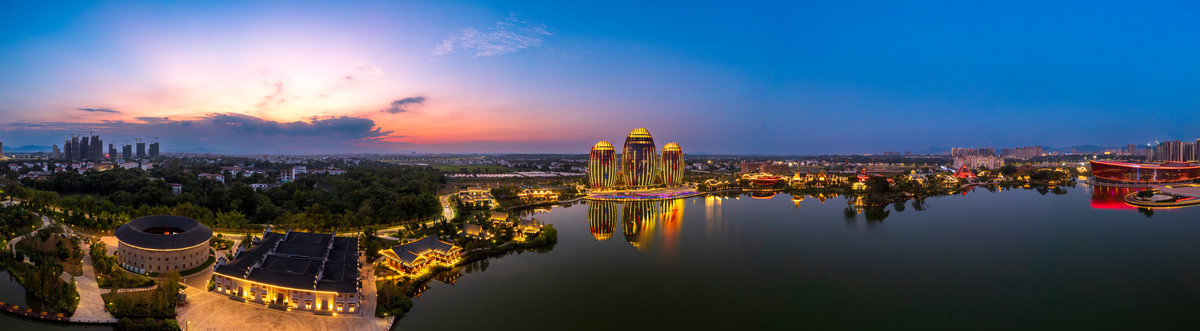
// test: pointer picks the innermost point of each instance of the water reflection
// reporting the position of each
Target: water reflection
(639, 220)
(644, 222)
(1111, 197)
(602, 218)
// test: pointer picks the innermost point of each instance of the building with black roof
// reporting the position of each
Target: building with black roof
(296, 270)
(419, 255)
(162, 243)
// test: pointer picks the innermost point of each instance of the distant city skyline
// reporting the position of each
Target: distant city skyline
(768, 78)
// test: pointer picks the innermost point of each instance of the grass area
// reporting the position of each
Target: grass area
(219, 242)
(475, 169)
(148, 324)
(158, 303)
(210, 261)
(52, 243)
(110, 275)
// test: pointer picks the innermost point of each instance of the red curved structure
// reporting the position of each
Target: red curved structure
(1167, 172)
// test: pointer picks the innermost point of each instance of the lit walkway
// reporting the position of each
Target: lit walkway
(91, 305)
(1180, 190)
(12, 245)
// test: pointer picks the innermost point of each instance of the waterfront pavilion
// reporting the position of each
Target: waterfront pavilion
(419, 255)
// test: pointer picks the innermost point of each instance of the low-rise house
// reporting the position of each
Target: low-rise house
(263, 186)
(499, 218)
(529, 227)
(419, 255)
(216, 177)
(474, 232)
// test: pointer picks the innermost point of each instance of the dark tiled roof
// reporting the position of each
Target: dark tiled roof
(300, 249)
(310, 238)
(429, 243)
(300, 260)
(133, 233)
(411, 251)
(290, 265)
(297, 281)
(405, 256)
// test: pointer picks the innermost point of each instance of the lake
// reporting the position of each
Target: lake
(1074, 257)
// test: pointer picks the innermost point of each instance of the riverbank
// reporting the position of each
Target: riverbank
(395, 295)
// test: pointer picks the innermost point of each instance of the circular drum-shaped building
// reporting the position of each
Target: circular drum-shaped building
(162, 243)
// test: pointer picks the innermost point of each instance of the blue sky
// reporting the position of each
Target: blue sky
(754, 78)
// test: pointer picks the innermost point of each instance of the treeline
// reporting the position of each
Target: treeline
(42, 282)
(375, 193)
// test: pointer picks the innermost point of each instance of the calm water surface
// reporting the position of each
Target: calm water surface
(1009, 259)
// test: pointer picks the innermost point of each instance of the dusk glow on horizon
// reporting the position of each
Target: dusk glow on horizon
(508, 77)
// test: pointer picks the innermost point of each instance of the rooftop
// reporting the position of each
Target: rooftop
(310, 261)
(163, 232)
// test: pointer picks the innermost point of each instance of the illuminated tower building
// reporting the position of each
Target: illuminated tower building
(602, 166)
(672, 164)
(602, 218)
(639, 162)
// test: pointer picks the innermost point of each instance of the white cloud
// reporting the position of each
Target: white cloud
(509, 35)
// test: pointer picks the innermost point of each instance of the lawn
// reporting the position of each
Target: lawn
(50, 242)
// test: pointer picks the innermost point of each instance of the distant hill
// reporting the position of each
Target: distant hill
(27, 149)
(1079, 149)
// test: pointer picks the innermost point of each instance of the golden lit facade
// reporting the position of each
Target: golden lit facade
(638, 220)
(639, 168)
(672, 164)
(602, 165)
(602, 218)
(639, 161)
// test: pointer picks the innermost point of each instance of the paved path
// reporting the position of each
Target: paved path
(91, 305)
(211, 311)
(12, 245)
(1186, 190)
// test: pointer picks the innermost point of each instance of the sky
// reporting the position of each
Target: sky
(790, 77)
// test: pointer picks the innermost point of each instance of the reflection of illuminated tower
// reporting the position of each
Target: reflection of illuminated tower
(637, 219)
(639, 162)
(602, 218)
(602, 166)
(672, 221)
(672, 213)
(672, 164)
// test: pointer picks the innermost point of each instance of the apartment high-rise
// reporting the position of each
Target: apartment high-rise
(141, 150)
(154, 149)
